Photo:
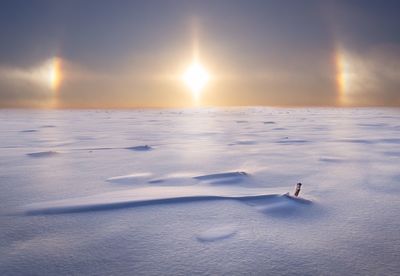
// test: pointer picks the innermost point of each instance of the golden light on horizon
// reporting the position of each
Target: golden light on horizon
(49, 74)
(196, 77)
(52, 73)
(343, 76)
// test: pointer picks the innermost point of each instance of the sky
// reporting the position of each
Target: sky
(127, 54)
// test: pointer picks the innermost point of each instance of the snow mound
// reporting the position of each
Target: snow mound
(112, 203)
(156, 181)
(373, 125)
(356, 141)
(243, 142)
(174, 179)
(140, 148)
(282, 206)
(217, 233)
(223, 178)
(29, 130)
(129, 179)
(141, 197)
(331, 160)
(271, 204)
(292, 141)
(96, 149)
(43, 154)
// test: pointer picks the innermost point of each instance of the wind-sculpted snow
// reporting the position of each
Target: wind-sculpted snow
(47, 126)
(247, 142)
(287, 206)
(143, 178)
(140, 148)
(292, 141)
(223, 178)
(43, 154)
(200, 192)
(129, 179)
(184, 179)
(331, 160)
(273, 204)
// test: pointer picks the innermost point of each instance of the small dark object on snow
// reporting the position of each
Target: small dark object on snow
(298, 187)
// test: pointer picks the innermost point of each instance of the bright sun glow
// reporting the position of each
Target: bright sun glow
(346, 76)
(47, 74)
(196, 77)
(52, 73)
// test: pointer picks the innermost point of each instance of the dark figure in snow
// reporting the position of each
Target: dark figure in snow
(298, 187)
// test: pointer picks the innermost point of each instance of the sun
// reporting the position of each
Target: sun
(196, 77)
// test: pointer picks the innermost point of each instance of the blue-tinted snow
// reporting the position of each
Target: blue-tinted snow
(201, 191)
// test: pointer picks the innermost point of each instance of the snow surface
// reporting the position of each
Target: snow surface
(200, 192)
